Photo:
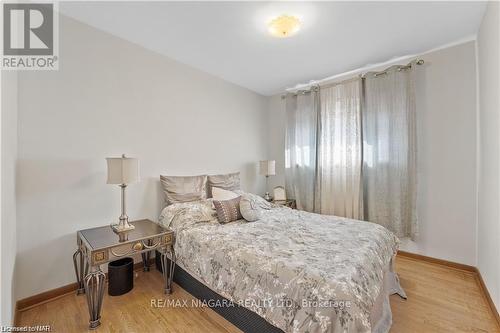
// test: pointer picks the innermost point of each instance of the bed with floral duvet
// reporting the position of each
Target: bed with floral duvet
(301, 272)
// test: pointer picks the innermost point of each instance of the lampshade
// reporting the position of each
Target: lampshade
(122, 170)
(268, 168)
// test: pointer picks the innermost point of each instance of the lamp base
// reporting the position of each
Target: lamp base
(122, 227)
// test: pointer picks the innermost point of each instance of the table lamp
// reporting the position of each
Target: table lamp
(267, 168)
(122, 171)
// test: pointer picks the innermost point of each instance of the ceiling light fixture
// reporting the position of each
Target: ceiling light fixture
(284, 26)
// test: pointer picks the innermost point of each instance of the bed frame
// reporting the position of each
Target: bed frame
(241, 317)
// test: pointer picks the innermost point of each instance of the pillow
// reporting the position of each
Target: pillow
(248, 210)
(221, 194)
(251, 206)
(230, 181)
(228, 210)
(184, 215)
(184, 189)
(259, 202)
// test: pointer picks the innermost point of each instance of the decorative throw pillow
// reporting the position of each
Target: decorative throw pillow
(228, 210)
(221, 194)
(184, 189)
(259, 202)
(230, 182)
(186, 214)
(252, 205)
(248, 209)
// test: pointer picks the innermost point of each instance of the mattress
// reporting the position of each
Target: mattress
(301, 272)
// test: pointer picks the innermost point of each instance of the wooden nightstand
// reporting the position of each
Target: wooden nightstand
(97, 246)
(288, 203)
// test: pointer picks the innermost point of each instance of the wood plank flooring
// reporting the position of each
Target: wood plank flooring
(440, 299)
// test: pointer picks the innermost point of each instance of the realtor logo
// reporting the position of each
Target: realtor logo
(29, 36)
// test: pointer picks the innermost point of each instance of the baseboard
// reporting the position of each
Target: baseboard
(487, 296)
(50, 295)
(29, 302)
(443, 262)
(461, 267)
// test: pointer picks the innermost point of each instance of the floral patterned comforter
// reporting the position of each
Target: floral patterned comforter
(302, 272)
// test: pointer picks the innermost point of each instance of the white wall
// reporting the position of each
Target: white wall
(488, 239)
(8, 194)
(276, 149)
(111, 97)
(446, 115)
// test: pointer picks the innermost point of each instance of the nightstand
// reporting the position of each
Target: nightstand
(98, 246)
(291, 203)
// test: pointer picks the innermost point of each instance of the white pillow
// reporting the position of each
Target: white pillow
(251, 206)
(248, 209)
(221, 194)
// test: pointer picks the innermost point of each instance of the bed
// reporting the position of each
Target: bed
(299, 271)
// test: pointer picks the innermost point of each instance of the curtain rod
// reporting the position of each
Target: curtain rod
(315, 87)
(375, 74)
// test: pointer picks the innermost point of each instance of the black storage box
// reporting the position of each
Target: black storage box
(121, 276)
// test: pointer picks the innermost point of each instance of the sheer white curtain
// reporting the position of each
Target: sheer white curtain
(389, 150)
(300, 148)
(340, 150)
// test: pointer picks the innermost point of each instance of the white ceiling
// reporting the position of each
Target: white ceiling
(229, 39)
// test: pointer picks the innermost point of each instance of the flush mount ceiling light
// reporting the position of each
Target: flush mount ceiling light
(284, 26)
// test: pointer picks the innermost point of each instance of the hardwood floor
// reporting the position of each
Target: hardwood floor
(440, 299)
